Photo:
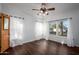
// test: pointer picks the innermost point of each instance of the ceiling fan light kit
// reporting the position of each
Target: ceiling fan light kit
(41, 13)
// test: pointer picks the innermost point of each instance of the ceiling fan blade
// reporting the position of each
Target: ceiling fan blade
(36, 9)
(51, 9)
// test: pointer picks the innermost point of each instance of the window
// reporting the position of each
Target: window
(59, 28)
(16, 26)
(63, 28)
(52, 28)
(39, 28)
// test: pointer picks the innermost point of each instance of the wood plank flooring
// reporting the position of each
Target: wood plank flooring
(42, 47)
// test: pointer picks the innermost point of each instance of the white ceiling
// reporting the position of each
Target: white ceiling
(60, 8)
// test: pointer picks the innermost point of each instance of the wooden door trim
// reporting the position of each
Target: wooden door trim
(2, 29)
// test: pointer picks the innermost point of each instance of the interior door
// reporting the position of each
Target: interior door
(5, 33)
(0, 32)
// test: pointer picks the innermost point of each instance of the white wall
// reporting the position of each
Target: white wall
(29, 29)
(75, 24)
(59, 39)
(0, 7)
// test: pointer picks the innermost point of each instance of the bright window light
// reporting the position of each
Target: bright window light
(18, 29)
(39, 28)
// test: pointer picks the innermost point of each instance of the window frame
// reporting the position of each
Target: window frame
(57, 23)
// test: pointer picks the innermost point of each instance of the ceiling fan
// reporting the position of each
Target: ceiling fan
(43, 10)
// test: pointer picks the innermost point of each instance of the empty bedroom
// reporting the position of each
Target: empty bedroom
(39, 28)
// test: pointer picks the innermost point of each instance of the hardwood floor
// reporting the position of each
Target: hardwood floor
(42, 47)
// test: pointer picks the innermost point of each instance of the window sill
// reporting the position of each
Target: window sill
(57, 36)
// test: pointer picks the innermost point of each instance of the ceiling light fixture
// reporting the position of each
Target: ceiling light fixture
(42, 13)
(43, 10)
